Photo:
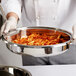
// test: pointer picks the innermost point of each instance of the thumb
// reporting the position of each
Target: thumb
(7, 28)
(74, 31)
(3, 28)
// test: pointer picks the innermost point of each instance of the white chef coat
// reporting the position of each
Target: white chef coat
(52, 13)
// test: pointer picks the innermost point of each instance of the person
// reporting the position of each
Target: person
(51, 13)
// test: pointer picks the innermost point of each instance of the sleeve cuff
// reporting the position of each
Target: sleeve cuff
(12, 6)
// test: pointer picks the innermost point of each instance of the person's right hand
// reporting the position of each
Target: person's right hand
(10, 24)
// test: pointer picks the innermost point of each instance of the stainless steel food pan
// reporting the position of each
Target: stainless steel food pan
(37, 51)
(13, 71)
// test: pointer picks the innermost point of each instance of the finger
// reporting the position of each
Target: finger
(74, 36)
(2, 28)
(7, 28)
(13, 27)
(74, 32)
(74, 41)
(10, 27)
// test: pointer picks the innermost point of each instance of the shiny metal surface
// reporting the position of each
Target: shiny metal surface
(13, 71)
(37, 51)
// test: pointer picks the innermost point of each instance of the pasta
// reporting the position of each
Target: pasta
(41, 38)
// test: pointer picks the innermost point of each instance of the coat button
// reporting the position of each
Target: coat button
(37, 17)
(55, 1)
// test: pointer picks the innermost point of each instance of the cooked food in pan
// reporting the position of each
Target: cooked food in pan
(40, 37)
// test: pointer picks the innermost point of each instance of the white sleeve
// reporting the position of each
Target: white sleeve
(12, 6)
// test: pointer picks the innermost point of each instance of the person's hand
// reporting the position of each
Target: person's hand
(10, 24)
(74, 31)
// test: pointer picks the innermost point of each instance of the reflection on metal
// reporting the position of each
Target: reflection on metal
(13, 71)
(48, 50)
(65, 47)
